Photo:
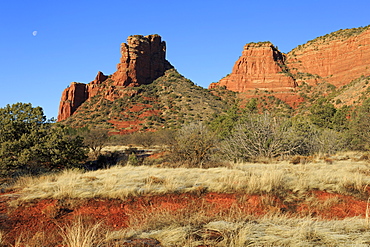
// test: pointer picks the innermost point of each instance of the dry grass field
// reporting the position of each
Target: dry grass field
(320, 203)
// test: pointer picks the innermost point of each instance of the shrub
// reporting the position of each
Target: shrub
(258, 136)
(266, 136)
(359, 128)
(95, 139)
(194, 145)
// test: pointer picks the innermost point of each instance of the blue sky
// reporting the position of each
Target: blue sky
(76, 39)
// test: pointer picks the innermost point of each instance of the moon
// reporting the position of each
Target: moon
(34, 33)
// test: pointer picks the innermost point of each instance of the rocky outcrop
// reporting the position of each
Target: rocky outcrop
(72, 98)
(99, 79)
(262, 67)
(142, 61)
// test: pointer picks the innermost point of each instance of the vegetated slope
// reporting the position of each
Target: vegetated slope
(352, 94)
(145, 94)
(167, 102)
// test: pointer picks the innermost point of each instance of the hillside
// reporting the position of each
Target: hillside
(170, 100)
(145, 93)
(336, 58)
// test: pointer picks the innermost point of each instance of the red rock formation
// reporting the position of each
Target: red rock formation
(72, 98)
(99, 79)
(76, 94)
(335, 58)
(143, 60)
(261, 66)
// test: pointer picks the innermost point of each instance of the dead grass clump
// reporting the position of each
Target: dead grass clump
(121, 182)
(364, 157)
(26, 239)
(301, 160)
(81, 233)
(328, 161)
(154, 180)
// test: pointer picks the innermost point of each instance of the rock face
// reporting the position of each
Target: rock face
(142, 61)
(261, 66)
(336, 58)
(72, 98)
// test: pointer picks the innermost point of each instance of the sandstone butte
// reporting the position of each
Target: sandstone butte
(336, 58)
(260, 66)
(142, 61)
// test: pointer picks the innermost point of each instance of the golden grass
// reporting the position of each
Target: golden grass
(344, 177)
(272, 230)
(81, 234)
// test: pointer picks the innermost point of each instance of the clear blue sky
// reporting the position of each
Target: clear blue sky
(77, 38)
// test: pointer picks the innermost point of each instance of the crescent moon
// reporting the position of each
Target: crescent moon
(34, 33)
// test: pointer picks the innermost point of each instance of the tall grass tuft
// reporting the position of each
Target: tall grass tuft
(82, 234)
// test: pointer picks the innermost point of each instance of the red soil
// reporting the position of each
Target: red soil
(149, 113)
(139, 107)
(49, 215)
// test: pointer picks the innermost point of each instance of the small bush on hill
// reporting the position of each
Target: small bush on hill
(194, 145)
(95, 139)
(359, 128)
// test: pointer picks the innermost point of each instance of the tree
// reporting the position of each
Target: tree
(224, 124)
(95, 139)
(322, 114)
(29, 143)
(340, 120)
(359, 128)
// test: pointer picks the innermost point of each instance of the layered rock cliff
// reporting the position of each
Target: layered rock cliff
(142, 61)
(336, 58)
(261, 72)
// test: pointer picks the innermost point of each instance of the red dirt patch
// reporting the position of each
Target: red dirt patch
(333, 206)
(149, 113)
(50, 214)
(125, 127)
(139, 107)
